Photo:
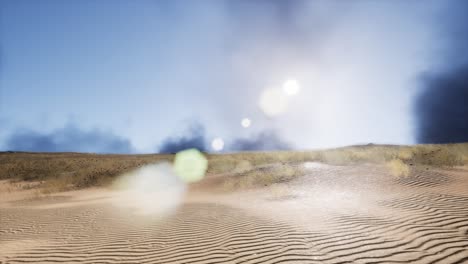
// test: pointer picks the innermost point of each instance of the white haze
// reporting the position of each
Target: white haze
(153, 189)
(358, 64)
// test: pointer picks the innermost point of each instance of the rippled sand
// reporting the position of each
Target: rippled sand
(333, 214)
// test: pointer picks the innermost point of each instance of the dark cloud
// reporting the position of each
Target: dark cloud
(442, 104)
(68, 139)
(442, 108)
(266, 140)
(194, 138)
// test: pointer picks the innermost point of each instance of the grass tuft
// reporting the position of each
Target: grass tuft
(398, 168)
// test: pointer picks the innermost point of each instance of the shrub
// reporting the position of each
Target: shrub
(398, 168)
(405, 154)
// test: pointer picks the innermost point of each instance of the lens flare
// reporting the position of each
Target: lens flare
(217, 144)
(273, 102)
(152, 189)
(291, 87)
(246, 122)
(190, 165)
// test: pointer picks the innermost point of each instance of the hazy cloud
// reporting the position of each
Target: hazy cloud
(71, 138)
(442, 106)
(356, 62)
(194, 137)
(266, 140)
(68, 139)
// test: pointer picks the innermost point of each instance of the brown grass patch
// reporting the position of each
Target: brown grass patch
(398, 168)
(261, 177)
(62, 171)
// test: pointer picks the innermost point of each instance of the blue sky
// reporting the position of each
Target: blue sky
(141, 72)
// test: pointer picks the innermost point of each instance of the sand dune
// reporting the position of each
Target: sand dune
(333, 214)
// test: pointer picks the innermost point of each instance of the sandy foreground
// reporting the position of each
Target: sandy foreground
(333, 214)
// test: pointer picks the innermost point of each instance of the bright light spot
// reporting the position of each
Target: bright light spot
(152, 189)
(291, 87)
(217, 144)
(246, 122)
(273, 102)
(190, 165)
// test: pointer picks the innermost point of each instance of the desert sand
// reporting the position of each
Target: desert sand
(332, 214)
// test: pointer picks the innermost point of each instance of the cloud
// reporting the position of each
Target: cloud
(71, 138)
(68, 139)
(266, 140)
(441, 106)
(194, 137)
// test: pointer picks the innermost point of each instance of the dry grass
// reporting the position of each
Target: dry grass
(261, 177)
(398, 168)
(464, 159)
(62, 171)
(405, 154)
(434, 155)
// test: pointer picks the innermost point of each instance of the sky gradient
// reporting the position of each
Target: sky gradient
(149, 76)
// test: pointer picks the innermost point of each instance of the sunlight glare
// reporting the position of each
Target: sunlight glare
(273, 102)
(190, 165)
(217, 144)
(151, 189)
(246, 122)
(291, 87)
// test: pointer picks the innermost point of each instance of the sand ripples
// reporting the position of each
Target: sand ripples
(427, 222)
